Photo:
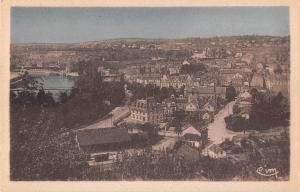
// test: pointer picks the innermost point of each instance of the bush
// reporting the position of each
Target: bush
(236, 123)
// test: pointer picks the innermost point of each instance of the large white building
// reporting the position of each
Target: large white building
(146, 110)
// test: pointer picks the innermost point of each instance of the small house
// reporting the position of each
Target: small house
(192, 140)
(214, 151)
(209, 107)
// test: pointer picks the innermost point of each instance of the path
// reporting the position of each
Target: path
(117, 113)
(217, 131)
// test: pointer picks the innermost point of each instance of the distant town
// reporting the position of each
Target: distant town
(208, 109)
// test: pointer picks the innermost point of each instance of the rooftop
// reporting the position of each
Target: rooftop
(102, 136)
(215, 148)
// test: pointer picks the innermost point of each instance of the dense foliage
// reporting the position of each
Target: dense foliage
(42, 148)
(38, 149)
(267, 111)
(230, 93)
(164, 165)
(143, 91)
(193, 68)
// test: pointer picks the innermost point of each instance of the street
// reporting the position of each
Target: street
(117, 113)
(217, 131)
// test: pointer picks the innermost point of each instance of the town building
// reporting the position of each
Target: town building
(206, 117)
(192, 106)
(194, 137)
(172, 104)
(206, 92)
(258, 81)
(185, 62)
(237, 82)
(103, 139)
(209, 107)
(244, 103)
(276, 83)
(192, 140)
(146, 110)
(173, 70)
(149, 78)
(215, 152)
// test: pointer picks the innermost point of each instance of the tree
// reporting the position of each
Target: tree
(278, 69)
(254, 93)
(39, 151)
(151, 129)
(164, 93)
(49, 101)
(25, 98)
(13, 97)
(41, 97)
(63, 97)
(230, 93)
(115, 93)
(236, 109)
(179, 117)
(89, 80)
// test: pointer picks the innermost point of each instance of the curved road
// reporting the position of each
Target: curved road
(217, 131)
(117, 113)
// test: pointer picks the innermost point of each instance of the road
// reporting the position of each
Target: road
(117, 113)
(167, 142)
(217, 131)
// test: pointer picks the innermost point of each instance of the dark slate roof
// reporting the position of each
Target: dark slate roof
(102, 136)
(191, 137)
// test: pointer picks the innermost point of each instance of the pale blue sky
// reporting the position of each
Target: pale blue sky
(91, 24)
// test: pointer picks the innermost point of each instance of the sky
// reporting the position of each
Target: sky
(67, 25)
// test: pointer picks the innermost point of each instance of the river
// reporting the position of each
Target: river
(52, 82)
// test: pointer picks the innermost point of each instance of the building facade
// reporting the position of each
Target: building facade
(146, 110)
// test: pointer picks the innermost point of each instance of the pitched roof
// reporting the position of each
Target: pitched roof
(185, 62)
(245, 95)
(210, 102)
(102, 136)
(191, 130)
(207, 90)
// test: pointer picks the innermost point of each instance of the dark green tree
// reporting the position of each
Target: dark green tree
(230, 93)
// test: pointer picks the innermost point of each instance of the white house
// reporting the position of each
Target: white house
(208, 107)
(191, 106)
(190, 130)
(185, 62)
(192, 140)
(191, 136)
(206, 116)
(214, 151)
